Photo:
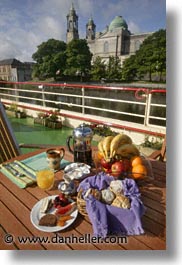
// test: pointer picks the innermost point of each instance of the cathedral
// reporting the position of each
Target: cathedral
(116, 40)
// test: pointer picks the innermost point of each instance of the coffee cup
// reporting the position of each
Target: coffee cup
(54, 157)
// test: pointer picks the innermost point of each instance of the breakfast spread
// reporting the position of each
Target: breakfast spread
(109, 201)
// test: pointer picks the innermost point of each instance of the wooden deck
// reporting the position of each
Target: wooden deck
(17, 203)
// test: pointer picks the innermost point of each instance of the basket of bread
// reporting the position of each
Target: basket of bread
(112, 205)
(110, 195)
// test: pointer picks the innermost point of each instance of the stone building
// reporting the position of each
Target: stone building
(115, 40)
(16, 71)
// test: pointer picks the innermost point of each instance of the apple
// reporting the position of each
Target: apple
(127, 164)
(117, 168)
(105, 164)
(108, 170)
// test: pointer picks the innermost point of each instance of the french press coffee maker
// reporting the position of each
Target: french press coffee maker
(82, 137)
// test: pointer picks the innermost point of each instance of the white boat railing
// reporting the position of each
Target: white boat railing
(141, 105)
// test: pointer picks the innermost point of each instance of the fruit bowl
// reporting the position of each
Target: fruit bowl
(142, 170)
(120, 157)
(137, 167)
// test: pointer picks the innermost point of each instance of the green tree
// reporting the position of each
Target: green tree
(79, 57)
(129, 69)
(50, 57)
(149, 59)
(113, 68)
(151, 56)
(98, 69)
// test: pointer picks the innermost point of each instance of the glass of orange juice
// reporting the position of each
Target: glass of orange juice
(45, 179)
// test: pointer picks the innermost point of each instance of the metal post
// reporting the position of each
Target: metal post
(16, 93)
(43, 95)
(147, 108)
(83, 100)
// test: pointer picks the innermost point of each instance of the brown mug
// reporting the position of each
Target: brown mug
(54, 157)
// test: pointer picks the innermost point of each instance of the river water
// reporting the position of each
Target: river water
(27, 132)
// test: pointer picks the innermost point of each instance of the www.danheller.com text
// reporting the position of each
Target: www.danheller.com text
(72, 239)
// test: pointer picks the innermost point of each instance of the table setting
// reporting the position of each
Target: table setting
(85, 184)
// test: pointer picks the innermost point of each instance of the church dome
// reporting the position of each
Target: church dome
(118, 22)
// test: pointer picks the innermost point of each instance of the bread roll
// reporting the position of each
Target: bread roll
(121, 201)
(107, 196)
(116, 186)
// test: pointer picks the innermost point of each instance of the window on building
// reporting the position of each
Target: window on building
(71, 25)
(106, 46)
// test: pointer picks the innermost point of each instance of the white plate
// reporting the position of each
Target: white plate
(35, 216)
(74, 166)
(76, 171)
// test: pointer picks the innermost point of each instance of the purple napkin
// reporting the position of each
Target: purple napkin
(107, 219)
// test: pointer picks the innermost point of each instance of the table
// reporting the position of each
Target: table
(17, 203)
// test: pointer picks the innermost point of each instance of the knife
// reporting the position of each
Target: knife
(13, 171)
(24, 169)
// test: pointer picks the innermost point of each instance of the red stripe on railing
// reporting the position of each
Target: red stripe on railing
(157, 91)
(146, 90)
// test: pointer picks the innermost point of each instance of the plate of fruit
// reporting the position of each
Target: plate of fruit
(53, 213)
(119, 157)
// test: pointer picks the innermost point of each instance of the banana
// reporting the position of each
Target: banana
(101, 148)
(106, 146)
(118, 141)
(128, 150)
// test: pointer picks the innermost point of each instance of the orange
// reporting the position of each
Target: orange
(136, 160)
(139, 171)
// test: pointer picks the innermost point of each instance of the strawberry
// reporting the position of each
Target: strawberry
(60, 200)
(66, 209)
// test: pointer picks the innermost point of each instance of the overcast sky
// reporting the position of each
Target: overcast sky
(24, 24)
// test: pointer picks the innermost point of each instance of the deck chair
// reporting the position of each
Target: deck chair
(160, 154)
(8, 144)
(9, 147)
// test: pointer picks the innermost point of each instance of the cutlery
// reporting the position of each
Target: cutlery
(14, 171)
(17, 165)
